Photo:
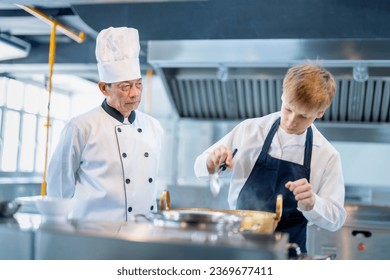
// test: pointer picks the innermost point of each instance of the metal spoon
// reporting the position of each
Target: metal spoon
(215, 183)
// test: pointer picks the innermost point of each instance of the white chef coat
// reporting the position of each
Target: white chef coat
(326, 174)
(109, 167)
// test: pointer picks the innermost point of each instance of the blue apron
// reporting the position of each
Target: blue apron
(268, 178)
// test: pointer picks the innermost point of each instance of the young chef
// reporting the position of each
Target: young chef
(284, 153)
(107, 159)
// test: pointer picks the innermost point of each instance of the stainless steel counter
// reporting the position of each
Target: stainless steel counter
(28, 236)
(364, 236)
(15, 242)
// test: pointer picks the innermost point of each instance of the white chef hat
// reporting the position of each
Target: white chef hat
(117, 51)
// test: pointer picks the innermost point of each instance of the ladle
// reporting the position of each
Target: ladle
(215, 183)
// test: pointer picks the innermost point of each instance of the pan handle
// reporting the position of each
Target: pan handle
(165, 200)
(279, 207)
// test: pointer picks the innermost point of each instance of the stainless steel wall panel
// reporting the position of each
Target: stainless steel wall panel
(242, 98)
(377, 100)
(214, 107)
(176, 96)
(385, 102)
(182, 98)
(15, 244)
(356, 101)
(218, 99)
(256, 98)
(229, 100)
(368, 102)
(264, 98)
(279, 91)
(200, 110)
(344, 94)
(272, 95)
(205, 102)
(189, 97)
(234, 53)
(200, 95)
(249, 103)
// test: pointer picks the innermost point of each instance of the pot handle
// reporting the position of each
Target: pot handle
(279, 207)
(165, 200)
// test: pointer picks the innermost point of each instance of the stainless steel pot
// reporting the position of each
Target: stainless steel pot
(8, 208)
(254, 221)
(197, 220)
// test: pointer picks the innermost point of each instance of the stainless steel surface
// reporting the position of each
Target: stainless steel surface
(217, 222)
(351, 24)
(365, 235)
(45, 239)
(55, 245)
(254, 86)
(8, 208)
(15, 242)
(268, 52)
(214, 73)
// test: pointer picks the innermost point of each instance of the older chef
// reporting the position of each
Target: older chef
(107, 159)
(284, 153)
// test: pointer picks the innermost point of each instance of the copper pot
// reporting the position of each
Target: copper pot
(253, 221)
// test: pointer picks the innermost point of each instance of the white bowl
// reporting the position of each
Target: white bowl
(54, 207)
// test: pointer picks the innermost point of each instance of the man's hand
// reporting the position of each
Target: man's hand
(303, 192)
(220, 155)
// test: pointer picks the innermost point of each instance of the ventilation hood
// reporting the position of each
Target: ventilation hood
(237, 79)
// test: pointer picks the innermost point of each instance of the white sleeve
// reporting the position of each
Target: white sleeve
(329, 212)
(200, 166)
(64, 163)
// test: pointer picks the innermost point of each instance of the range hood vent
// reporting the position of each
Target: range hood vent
(240, 98)
(239, 79)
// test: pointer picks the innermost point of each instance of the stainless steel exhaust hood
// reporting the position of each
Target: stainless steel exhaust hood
(237, 79)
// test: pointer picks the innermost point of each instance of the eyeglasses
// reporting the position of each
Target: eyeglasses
(126, 86)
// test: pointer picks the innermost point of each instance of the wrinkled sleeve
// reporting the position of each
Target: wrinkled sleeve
(329, 212)
(64, 163)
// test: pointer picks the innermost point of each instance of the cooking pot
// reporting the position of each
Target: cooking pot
(194, 219)
(253, 221)
(8, 208)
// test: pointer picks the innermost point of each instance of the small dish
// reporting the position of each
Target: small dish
(54, 207)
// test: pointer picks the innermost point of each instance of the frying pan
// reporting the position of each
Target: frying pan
(253, 221)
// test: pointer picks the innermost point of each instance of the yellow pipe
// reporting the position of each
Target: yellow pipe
(52, 52)
(148, 99)
(79, 38)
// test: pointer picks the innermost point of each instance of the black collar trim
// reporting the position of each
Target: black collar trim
(115, 113)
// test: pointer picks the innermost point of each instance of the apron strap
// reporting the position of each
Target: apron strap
(308, 148)
(308, 144)
(268, 139)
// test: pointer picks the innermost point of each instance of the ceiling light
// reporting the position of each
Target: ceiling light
(360, 73)
(12, 47)
(222, 74)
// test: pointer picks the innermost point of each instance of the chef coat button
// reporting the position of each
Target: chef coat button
(150, 180)
(146, 154)
(128, 181)
(139, 130)
(119, 129)
(130, 209)
(151, 208)
(124, 155)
